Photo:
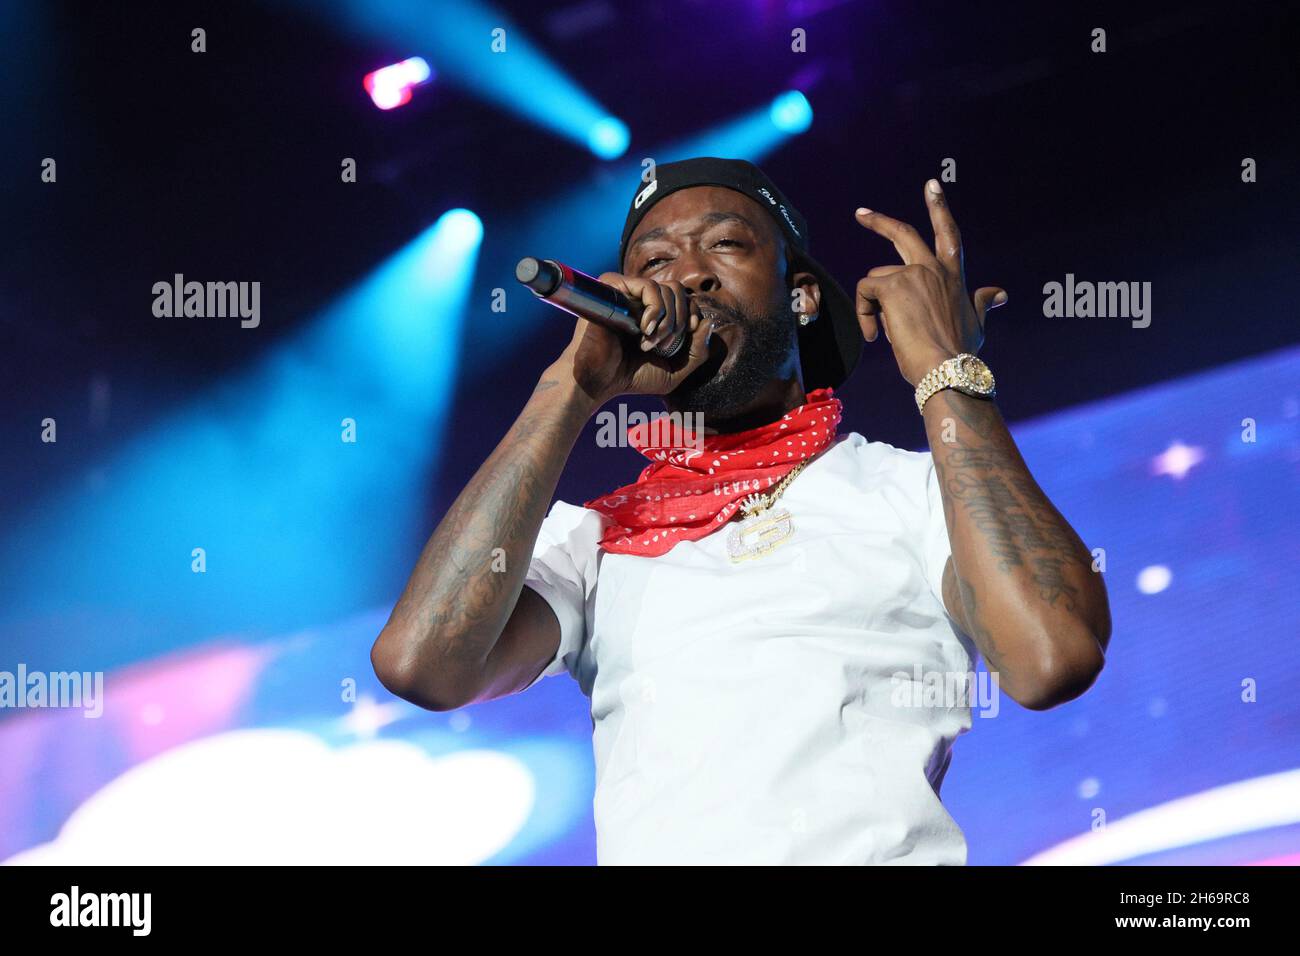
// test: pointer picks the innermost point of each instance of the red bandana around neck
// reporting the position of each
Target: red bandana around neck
(692, 489)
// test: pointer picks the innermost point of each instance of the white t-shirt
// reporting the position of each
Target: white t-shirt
(748, 713)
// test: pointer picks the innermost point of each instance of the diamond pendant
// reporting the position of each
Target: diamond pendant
(757, 534)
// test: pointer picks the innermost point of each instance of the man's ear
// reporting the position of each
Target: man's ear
(805, 296)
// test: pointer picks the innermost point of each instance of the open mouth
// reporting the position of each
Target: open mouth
(711, 311)
(713, 315)
(723, 323)
(721, 346)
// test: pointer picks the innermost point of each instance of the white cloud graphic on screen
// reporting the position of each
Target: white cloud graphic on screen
(284, 796)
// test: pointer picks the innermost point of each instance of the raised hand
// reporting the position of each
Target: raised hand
(922, 305)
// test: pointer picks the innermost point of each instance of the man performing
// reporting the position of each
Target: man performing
(754, 616)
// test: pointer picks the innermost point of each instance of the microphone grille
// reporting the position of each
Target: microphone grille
(673, 347)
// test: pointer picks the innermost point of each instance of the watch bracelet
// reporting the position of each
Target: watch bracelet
(938, 378)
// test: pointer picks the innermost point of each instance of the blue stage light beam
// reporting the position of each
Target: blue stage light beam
(483, 50)
(298, 525)
(791, 112)
(608, 138)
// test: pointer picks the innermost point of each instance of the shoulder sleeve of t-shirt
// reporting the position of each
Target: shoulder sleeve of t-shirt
(563, 572)
(936, 544)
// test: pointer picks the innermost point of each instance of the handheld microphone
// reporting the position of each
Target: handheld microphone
(579, 294)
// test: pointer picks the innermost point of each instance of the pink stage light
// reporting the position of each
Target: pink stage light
(390, 86)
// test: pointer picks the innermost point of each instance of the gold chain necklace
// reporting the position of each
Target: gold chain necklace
(757, 533)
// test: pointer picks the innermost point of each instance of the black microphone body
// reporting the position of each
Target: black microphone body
(579, 294)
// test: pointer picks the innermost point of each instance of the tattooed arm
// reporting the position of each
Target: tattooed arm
(466, 628)
(435, 647)
(1020, 581)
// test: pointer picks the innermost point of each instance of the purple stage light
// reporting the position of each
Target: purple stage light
(390, 86)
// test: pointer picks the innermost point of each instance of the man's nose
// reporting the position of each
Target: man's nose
(696, 276)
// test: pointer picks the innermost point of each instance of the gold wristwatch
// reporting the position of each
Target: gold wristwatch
(964, 372)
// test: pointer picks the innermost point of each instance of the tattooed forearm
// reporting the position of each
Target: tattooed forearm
(471, 571)
(1032, 571)
(959, 593)
(1017, 523)
(975, 417)
(1050, 574)
(988, 503)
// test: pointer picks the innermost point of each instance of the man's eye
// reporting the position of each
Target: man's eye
(650, 263)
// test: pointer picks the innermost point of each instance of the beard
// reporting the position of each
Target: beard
(763, 353)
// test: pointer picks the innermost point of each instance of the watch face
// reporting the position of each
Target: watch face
(975, 374)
